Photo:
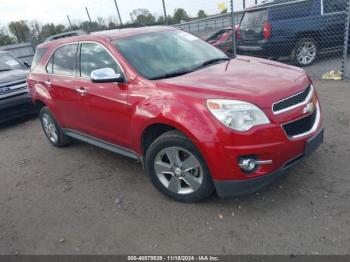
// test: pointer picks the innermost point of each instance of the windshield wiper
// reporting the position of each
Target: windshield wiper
(172, 74)
(6, 69)
(211, 62)
(183, 72)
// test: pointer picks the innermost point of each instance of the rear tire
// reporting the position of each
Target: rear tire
(305, 52)
(52, 130)
(177, 169)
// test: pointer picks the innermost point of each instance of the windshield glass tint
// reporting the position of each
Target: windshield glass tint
(8, 62)
(158, 54)
(255, 18)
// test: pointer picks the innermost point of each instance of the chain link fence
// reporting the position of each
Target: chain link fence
(313, 34)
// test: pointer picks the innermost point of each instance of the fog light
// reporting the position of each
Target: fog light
(247, 164)
(250, 163)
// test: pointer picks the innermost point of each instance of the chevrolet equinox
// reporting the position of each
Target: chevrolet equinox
(198, 120)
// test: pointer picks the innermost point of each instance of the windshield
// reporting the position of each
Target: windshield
(168, 54)
(8, 62)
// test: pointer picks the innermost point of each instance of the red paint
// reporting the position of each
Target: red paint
(120, 113)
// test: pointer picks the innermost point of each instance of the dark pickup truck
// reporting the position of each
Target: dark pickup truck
(15, 100)
(299, 29)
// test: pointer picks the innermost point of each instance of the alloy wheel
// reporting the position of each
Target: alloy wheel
(178, 170)
(306, 53)
(50, 128)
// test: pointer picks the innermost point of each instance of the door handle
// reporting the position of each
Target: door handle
(81, 91)
(48, 83)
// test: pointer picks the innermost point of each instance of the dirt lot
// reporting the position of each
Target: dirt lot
(84, 200)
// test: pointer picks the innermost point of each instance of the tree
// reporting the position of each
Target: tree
(101, 23)
(180, 15)
(20, 30)
(160, 20)
(201, 14)
(224, 11)
(142, 17)
(89, 26)
(112, 25)
(51, 29)
(5, 39)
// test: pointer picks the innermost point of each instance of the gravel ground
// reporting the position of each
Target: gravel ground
(84, 200)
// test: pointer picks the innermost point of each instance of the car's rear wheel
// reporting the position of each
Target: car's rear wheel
(305, 52)
(177, 169)
(52, 130)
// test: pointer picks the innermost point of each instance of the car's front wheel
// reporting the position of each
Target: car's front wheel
(177, 169)
(51, 129)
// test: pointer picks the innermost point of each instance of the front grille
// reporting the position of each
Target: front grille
(291, 101)
(300, 126)
(13, 89)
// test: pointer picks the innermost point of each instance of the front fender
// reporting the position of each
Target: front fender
(194, 120)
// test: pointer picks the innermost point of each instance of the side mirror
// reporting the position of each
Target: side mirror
(26, 64)
(106, 75)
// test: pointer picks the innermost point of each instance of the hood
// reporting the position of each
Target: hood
(254, 80)
(13, 75)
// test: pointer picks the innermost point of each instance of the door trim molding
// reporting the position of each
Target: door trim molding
(101, 143)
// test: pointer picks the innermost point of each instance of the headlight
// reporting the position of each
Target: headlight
(238, 115)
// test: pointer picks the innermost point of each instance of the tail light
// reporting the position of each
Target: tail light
(267, 28)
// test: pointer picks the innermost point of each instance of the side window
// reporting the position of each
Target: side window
(64, 61)
(333, 6)
(94, 56)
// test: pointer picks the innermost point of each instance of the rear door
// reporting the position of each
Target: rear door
(62, 84)
(251, 26)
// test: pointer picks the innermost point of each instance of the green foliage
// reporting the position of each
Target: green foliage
(50, 29)
(112, 25)
(201, 14)
(20, 30)
(180, 15)
(6, 40)
(142, 17)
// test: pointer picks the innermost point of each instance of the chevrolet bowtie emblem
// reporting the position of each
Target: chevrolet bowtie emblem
(310, 107)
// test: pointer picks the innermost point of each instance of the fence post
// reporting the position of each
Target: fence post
(344, 67)
(234, 30)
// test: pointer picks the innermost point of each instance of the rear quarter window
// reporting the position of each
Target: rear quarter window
(254, 18)
(39, 53)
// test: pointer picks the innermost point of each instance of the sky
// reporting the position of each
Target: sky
(56, 11)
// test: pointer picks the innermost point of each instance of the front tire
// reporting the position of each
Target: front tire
(52, 130)
(177, 169)
(305, 52)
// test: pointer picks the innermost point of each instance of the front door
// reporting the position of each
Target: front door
(104, 110)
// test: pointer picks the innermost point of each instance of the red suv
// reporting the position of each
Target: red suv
(198, 120)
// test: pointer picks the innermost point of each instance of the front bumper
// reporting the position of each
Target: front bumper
(236, 188)
(15, 107)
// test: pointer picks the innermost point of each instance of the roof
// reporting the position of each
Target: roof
(128, 32)
(109, 35)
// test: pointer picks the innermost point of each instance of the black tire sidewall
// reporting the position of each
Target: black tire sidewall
(172, 139)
